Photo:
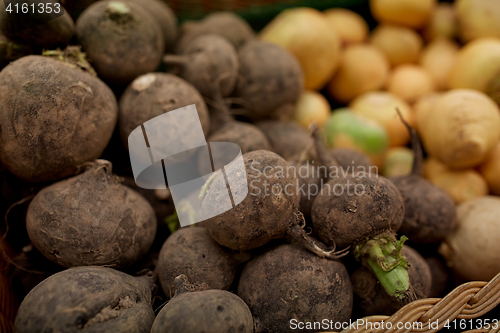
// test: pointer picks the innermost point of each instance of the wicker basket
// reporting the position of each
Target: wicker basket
(456, 312)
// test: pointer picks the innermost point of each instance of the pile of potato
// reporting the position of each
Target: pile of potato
(390, 197)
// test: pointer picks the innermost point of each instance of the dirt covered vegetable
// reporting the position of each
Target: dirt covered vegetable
(10, 51)
(269, 210)
(288, 139)
(192, 252)
(91, 219)
(205, 59)
(165, 17)
(35, 28)
(288, 282)
(122, 39)
(377, 207)
(226, 24)
(429, 211)
(270, 77)
(153, 94)
(350, 158)
(88, 299)
(224, 128)
(55, 115)
(371, 298)
(195, 310)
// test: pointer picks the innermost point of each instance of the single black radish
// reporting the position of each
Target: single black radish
(268, 211)
(288, 282)
(363, 212)
(88, 299)
(430, 213)
(194, 309)
(371, 298)
(192, 252)
(204, 59)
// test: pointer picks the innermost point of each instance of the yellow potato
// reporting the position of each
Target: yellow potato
(312, 107)
(410, 13)
(349, 26)
(398, 162)
(363, 68)
(401, 45)
(443, 23)
(477, 66)
(423, 107)
(462, 129)
(410, 82)
(478, 18)
(306, 33)
(438, 58)
(433, 167)
(461, 185)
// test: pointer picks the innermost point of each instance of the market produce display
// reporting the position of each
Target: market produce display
(368, 182)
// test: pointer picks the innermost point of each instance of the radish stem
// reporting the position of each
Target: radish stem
(382, 254)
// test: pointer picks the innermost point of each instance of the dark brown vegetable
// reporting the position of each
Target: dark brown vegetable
(440, 276)
(247, 136)
(121, 39)
(91, 219)
(262, 215)
(349, 159)
(162, 203)
(224, 128)
(430, 212)
(33, 28)
(194, 310)
(54, 116)
(289, 283)
(370, 296)
(75, 8)
(88, 299)
(10, 51)
(313, 163)
(271, 78)
(374, 203)
(268, 211)
(153, 94)
(192, 252)
(364, 212)
(288, 139)
(225, 24)
(205, 59)
(165, 17)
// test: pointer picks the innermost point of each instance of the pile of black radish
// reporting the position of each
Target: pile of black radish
(318, 233)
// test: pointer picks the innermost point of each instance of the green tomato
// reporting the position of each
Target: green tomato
(344, 129)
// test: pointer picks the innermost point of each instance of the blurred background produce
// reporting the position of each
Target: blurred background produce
(303, 84)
